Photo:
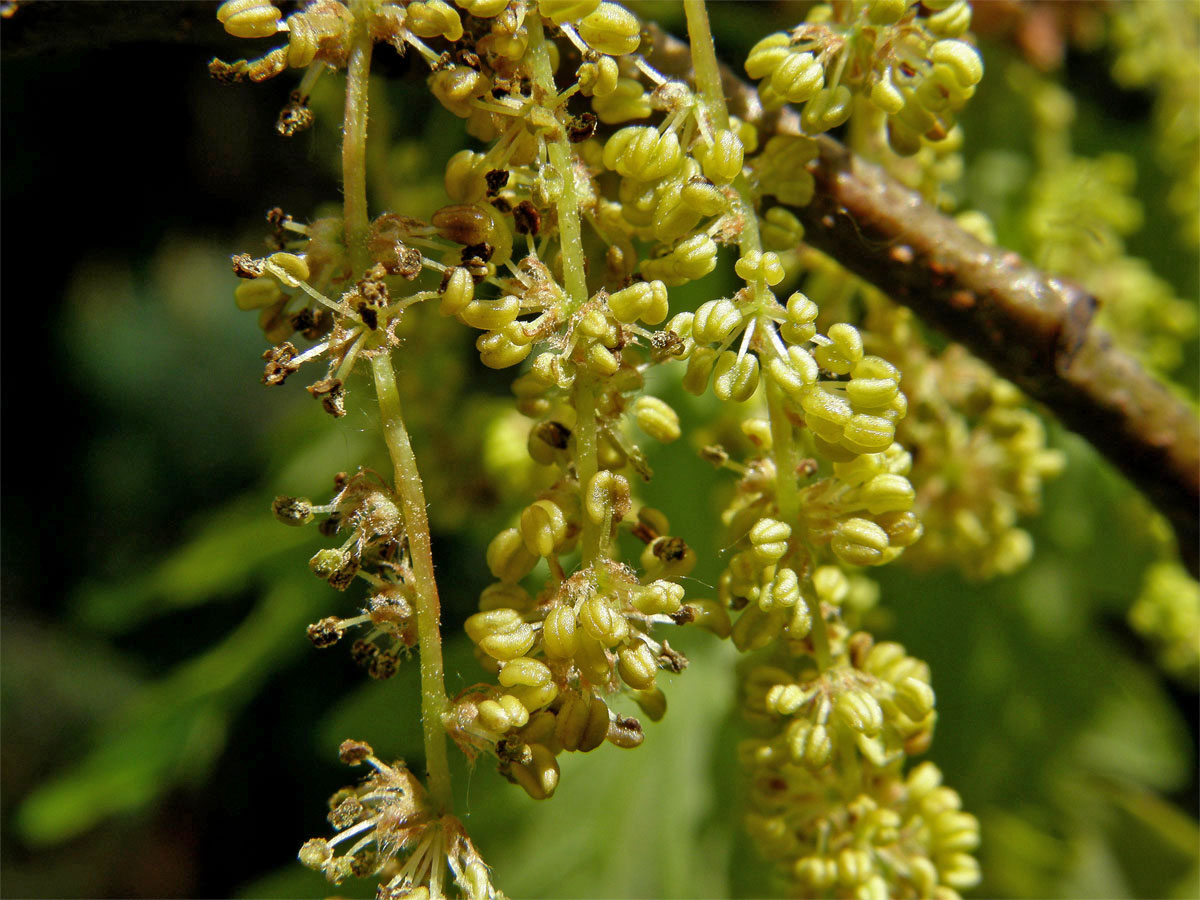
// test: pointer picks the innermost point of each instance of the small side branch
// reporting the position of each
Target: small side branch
(1034, 329)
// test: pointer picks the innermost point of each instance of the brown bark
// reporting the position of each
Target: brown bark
(1034, 329)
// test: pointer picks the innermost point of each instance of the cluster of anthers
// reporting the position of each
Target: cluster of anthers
(592, 156)
(390, 830)
(913, 68)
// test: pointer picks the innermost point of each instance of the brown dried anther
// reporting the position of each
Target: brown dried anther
(295, 117)
(326, 633)
(581, 127)
(331, 393)
(353, 753)
(279, 363)
(526, 218)
(246, 266)
(496, 179)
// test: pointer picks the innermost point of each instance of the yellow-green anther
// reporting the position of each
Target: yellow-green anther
(784, 588)
(459, 292)
(481, 624)
(659, 598)
(535, 697)
(699, 368)
(507, 557)
(539, 777)
(785, 699)
(637, 666)
(611, 29)
(652, 702)
(645, 300)
(770, 537)
(767, 54)
(526, 671)
(639, 151)
(733, 379)
(859, 542)
(543, 527)
(914, 698)
(494, 717)
(560, 11)
(886, 12)
(607, 494)
(602, 622)
(703, 196)
(501, 349)
(781, 230)
(859, 711)
(559, 639)
(888, 493)
(871, 392)
(801, 319)
(716, 321)
(828, 108)
(818, 872)
(657, 419)
(868, 434)
(722, 162)
(756, 264)
(711, 616)
(798, 77)
(599, 79)
(509, 644)
(951, 22)
(249, 18)
(292, 269)
(626, 102)
(505, 596)
(755, 628)
(433, 18)
(257, 294)
(799, 626)
(457, 86)
(831, 584)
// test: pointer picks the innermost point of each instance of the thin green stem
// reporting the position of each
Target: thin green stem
(704, 60)
(570, 240)
(434, 703)
(783, 437)
(356, 224)
(354, 139)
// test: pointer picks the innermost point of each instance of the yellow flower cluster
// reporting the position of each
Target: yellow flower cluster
(915, 69)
